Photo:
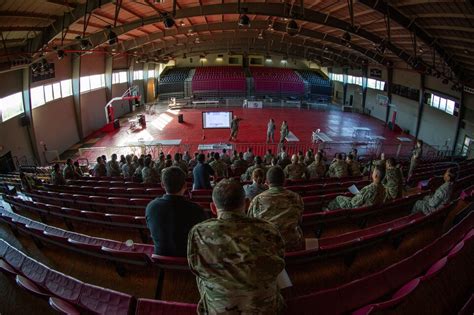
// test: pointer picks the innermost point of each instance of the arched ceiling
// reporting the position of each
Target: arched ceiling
(433, 36)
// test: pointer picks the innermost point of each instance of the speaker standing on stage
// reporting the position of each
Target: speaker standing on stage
(234, 128)
(283, 131)
(271, 131)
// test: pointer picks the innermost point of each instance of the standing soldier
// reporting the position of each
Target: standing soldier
(416, 156)
(283, 131)
(234, 128)
(271, 131)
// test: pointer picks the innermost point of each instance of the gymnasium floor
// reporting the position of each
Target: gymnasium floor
(163, 125)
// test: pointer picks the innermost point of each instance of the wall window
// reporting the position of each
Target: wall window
(48, 93)
(354, 80)
(119, 77)
(85, 84)
(375, 84)
(442, 103)
(138, 75)
(11, 106)
(151, 73)
(92, 82)
(37, 96)
(66, 88)
(466, 145)
(56, 90)
(336, 77)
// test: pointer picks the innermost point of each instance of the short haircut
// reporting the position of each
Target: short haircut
(228, 195)
(216, 156)
(350, 157)
(99, 159)
(276, 176)
(147, 162)
(258, 175)
(177, 157)
(201, 158)
(390, 161)
(114, 156)
(168, 156)
(258, 160)
(141, 161)
(68, 161)
(339, 156)
(56, 167)
(451, 174)
(224, 151)
(378, 170)
(173, 179)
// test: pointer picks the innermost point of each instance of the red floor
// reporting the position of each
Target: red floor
(337, 125)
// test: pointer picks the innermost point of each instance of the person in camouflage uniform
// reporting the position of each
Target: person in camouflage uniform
(338, 167)
(239, 162)
(56, 176)
(179, 162)
(317, 169)
(380, 163)
(112, 166)
(284, 131)
(416, 156)
(281, 207)
(236, 259)
(99, 169)
(393, 180)
(225, 157)
(128, 169)
(295, 170)
(309, 157)
(271, 131)
(258, 165)
(373, 194)
(234, 128)
(68, 170)
(160, 164)
(268, 157)
(439, 199)
(220, 167)
(149, 174)
(353, 166)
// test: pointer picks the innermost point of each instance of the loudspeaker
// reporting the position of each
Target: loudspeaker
(180, 118)
(116, 124)
(24, 121)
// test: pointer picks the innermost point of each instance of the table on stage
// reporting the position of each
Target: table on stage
(219, 146)
(361, 132)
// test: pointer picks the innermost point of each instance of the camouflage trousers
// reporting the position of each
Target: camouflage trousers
(341, 202)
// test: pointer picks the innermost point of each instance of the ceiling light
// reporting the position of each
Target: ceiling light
(347, 37)
(168, 22)
(260, 35)
(268, 58)
(292, 28)
(181, 23)
(61, 54)
(202, 58)
(113, 39)
(244, 21)
(220, 57)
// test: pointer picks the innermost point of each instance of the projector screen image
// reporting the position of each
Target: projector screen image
(214, 120)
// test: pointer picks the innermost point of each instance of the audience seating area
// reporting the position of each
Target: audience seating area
(227, 80)
(172, 81)
(276, 81)
(318, 85)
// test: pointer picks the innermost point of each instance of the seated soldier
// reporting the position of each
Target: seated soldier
(281, 207)
(170, 217)
(257, 186)
(373, 194)
(128, 169)
(439, 199)
(220, 167)
(113, 168)
(179, 162)
(149, 174)
(268, 157)
(393, 180)
(249, 156)
(338, 167)
(68, 170)
(236, 259)
(353, 166)
(317, 169)
(258, 165)
(295, 170)
(78, 173)
(239, 162)
(56, 176)
(309, 157)
(100, 169)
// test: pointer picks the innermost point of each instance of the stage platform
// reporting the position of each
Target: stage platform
(339, 126)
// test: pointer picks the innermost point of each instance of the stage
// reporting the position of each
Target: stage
(340, 127)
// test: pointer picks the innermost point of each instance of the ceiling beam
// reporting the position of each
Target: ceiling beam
(407, 3)
(28, 15)
(63, 3)
(21, 28)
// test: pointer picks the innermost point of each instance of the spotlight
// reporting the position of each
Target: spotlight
(168, 22)
(260, 35)
(112, 37)
(202, 58)
(347, 37)
(292, 28)
(61, 54)
(85, 44)
(268, 58)
(244, 21)
(220, 57)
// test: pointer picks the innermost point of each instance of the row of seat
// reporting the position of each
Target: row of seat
(43, 281)
(313, 78)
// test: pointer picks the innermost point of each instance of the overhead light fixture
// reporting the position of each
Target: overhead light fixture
(381, 48)
(181, 23)
(61, 54)
(220, 57)
(292, 28)
(113, 39)
(85, 44)
(202, 58)
(168, 22)
(260, 35)
(244, 21)
(347, 37)
(284, 60)
(268, 58)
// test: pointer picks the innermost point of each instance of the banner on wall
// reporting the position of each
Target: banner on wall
(375, 73)
(382, 100)
(252, 104)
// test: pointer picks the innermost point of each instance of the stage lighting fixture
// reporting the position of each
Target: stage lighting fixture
(347, 37)
(61, 54)
(292, 28)
(244, 21)
(381, 48)
(85, 44)
(168, 22)
(113, 39)
(260, 35)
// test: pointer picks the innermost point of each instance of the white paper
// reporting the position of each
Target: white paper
(354, 190)
(311, 243)
(283, 280)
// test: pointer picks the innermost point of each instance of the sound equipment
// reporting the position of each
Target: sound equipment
(116, 124)
(180, 118)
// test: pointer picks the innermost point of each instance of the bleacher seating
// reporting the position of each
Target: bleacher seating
(318, 85)
(277, 82)
(172, 82)
(217, 81)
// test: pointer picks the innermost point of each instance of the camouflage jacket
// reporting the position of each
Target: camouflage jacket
(150, 175)
(338, 169)
(373, 194)
(295, 171)
(284, 209)
(236, 260)
(393, 183)
(220, 168)
(113, 168)
(316, 170)
(439, 199)
(248, 173)
(354, 168)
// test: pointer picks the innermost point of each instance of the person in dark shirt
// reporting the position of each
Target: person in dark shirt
(201, 173)
(170, 217)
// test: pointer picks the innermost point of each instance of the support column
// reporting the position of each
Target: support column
(344, 86)
(76, 92)
(131, 66)
(28, 110)
(108, 77)
(145, 83)
(389, 92)
(365, 74)
(421, 104)
(462, 114)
